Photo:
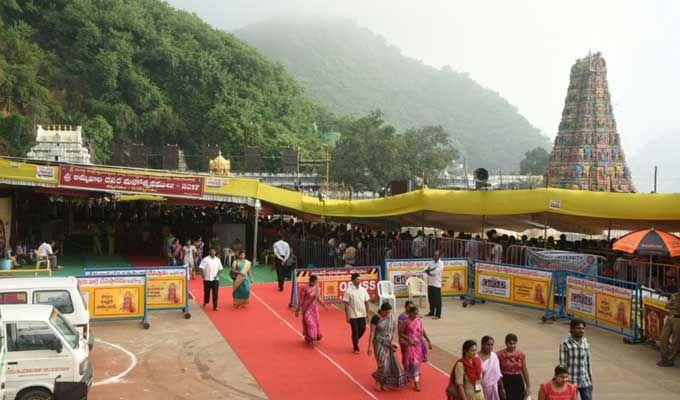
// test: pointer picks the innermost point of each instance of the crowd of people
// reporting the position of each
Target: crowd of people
(479, 374)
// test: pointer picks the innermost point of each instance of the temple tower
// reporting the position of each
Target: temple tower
(587, 154)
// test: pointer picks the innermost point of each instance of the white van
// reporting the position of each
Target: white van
(61, 292)
(45, 355)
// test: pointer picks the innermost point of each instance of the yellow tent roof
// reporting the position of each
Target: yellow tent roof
(562, 209)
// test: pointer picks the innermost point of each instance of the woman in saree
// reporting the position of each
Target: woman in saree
(412, 338)
(382, 340)
(310, 299)
(492, 384)
(403, 343)
(242, 277)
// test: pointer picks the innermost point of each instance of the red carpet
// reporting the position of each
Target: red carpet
(266, 337)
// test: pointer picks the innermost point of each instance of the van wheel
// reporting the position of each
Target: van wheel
(34, 394)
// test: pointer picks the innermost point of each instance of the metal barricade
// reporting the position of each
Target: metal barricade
(611, 304)
(518, 254)
(512, 284)
(643, 272)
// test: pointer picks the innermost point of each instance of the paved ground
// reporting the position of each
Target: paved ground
(177, 359)
(189, 359)
(621, 371)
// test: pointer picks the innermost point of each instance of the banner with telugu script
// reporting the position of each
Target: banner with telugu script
(514, 285)
(166, 287)
(600, 302)
(454, 276)
(114, 297)
(94, 179)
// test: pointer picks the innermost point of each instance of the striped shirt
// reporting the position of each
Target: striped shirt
(575, 357)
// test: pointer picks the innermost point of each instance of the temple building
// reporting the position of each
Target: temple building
(587, 154)
(60, 143)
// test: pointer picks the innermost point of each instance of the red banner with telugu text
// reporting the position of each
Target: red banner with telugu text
(94, 179)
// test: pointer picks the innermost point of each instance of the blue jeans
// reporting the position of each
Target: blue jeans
(586, 393)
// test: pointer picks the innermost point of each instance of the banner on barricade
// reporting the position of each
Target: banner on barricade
(166, 287)
(655, 314)
(454, 276)
(599, 302)
(114, 297)
(514, 285)
(334, 281)
(556, 260)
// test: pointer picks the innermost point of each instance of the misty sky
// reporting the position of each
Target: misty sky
(521, 49)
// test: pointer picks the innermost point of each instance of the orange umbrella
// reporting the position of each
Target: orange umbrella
(649, 242)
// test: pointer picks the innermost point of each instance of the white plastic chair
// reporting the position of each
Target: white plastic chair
(386, 294)
(416, 288)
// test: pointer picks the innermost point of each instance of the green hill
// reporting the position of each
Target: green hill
(351, 70)
(141, 71)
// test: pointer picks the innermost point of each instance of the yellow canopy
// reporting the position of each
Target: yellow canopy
(562, 209)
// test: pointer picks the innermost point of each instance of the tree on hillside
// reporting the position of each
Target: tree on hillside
(426, 151)
(143, 72)
(365, 155)
(535, 162)
(100, 132)
(369, 154)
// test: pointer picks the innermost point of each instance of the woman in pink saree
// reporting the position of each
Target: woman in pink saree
(310, 299)
(414, 353)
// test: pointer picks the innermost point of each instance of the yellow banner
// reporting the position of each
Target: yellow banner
(335, 281)
(20, 171)
(608, 304)
(514, 285)
(166, 291)
(454, 276)
(655, 312)
(114, 297)
(166, 287)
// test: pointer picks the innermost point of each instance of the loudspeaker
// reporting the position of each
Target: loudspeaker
(481, 176)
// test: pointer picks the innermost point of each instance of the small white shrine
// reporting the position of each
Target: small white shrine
(62, 143)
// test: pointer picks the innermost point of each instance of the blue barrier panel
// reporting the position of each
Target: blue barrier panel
(167, 286)
(608, 303)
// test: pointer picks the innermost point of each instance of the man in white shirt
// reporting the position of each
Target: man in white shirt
(45, 251)
(356, 300)
(434, 285)
(282, 253)
(211, 267)
(418, 245)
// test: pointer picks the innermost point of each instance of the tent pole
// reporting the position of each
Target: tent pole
(609, 231)
(650, 271)
(545, 234)
(257, 217)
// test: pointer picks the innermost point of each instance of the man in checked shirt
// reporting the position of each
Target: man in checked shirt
(575, 357)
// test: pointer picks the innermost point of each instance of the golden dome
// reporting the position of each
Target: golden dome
(220, 166)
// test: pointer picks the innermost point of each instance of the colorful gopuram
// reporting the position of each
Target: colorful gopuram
(587, 154)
